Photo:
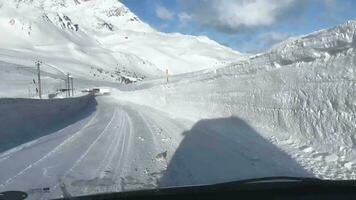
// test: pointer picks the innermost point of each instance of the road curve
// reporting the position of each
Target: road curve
(114, 149)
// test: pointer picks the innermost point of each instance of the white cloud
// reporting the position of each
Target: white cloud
(184, 17)
(164, 13)
(234, 15)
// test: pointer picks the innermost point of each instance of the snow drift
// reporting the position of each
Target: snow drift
(23, 120)
(303, 89)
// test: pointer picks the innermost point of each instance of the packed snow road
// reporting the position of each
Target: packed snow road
(111, 150)
(123, 146)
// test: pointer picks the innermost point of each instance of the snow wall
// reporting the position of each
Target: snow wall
(23, 120)
(304, 88)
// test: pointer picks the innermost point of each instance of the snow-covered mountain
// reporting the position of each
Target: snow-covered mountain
(37, 30)
(103, 34)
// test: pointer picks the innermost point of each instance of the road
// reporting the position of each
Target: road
(122, 146)
(113, 149)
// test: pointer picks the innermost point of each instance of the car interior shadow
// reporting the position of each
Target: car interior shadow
(224, 150)
(24, 120)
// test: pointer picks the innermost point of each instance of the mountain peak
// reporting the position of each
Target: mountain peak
(98, 15)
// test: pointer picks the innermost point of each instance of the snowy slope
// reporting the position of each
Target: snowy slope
(300, 94)
(30, 33)
(78, 35)
(175, 52)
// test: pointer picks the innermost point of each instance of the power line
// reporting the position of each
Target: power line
(52, 66)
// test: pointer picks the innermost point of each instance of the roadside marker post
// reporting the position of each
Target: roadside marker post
(167, 75)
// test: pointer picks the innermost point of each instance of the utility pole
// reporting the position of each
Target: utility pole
(34, 83)
(68, 84)
(72, 82)
(38, 63)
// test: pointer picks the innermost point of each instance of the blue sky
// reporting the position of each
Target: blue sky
(244, 25)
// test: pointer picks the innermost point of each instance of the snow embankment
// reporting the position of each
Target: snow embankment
(303, 90)
(23, 120)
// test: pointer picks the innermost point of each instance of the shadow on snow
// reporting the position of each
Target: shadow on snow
(223, 150)
(24, 120)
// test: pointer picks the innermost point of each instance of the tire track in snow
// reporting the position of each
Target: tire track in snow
(92, 144)
(104, 165)
(160, 127)
(10, 153)
(122, 152)
(120, 142)
(87, 151)
(49, 154)
(151, 128)
(141, 168)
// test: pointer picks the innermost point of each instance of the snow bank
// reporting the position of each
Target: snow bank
(304, 89)
(23, 120)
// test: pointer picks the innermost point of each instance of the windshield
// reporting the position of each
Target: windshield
(109, 96)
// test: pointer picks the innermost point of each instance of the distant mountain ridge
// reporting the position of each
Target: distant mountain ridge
(110, 26)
